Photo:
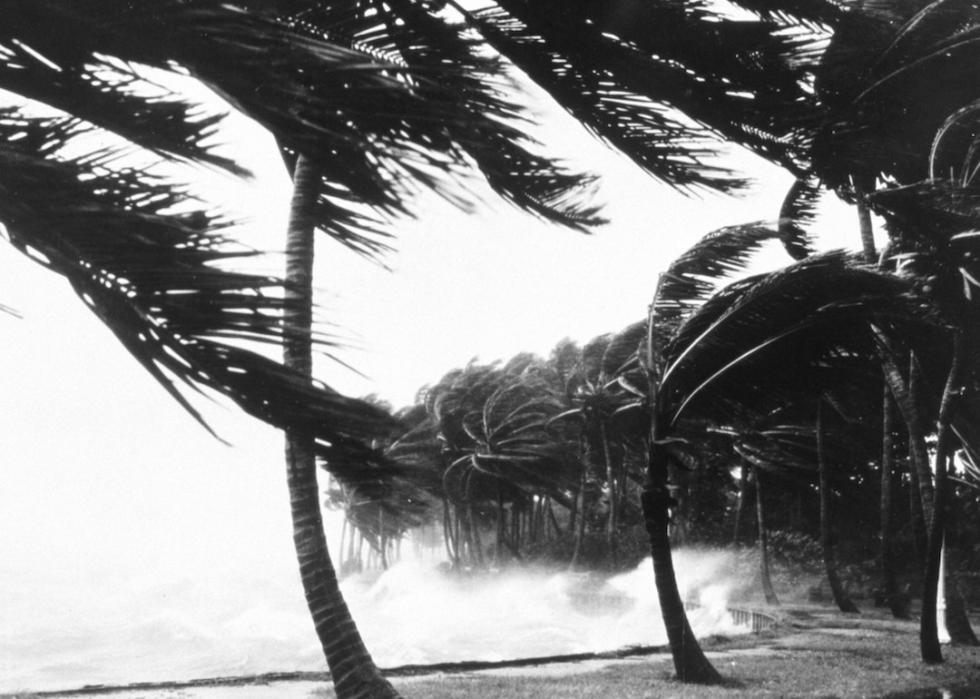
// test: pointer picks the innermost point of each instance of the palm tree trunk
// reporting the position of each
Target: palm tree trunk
(928, 630)
(917, 439)
(497, 550)
(957, 619)
(382, 539)
(352, 669)
(841, 599)
(740, 506)
(580, 522)
(475, 532)
(690, 663)
(767, 588)
(611, 524)
(889, 581)
(867, 232)
(447, 534)
(905, 396)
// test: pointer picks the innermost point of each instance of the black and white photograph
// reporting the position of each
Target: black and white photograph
(489, 349)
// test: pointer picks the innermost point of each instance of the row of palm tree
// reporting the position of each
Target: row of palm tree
(777, 373)
(873, 100)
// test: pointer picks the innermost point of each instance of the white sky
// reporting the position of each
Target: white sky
(102, 472)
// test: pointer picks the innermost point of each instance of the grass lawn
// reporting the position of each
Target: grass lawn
(814, 653)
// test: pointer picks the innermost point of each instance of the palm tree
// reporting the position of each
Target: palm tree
(602, 383)
(767, 587)
(936, 220)
(719, 365)
(314, 94)
(841, 599)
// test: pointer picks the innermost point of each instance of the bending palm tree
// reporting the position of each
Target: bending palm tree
(158, 289)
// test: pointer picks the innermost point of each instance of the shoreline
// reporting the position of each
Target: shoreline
(811, 651)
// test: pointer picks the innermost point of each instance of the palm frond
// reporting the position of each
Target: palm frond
(39, 65)
(815, 312)
(153, 267)
(797, 212)
(744, 80)
(603, 83)
(691, 278)
(892, 74)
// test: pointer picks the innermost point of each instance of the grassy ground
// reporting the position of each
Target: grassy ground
(814, 653)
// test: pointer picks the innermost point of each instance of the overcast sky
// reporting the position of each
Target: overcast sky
(103, 472)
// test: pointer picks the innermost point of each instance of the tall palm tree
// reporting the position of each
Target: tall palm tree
(154, 280)
(719, 365)
(936, 220)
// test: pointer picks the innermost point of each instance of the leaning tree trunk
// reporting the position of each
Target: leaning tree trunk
(867, 232)
(767, 588)
(889, 580)
(352, 669)
(611, 522)
(905, 396)
(929, 628)
(580, 511)
(740, 506)
(690, 662)
(957, 620)
(917, 441)
(841, 598)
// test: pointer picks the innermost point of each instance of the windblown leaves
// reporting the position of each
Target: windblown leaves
(153, 268)
(805, 325)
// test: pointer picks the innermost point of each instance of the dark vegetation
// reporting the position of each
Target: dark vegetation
(842, 391)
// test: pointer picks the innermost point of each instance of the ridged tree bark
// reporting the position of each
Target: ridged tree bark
(352, 669)
(841, 599)
(929, 627)
(690, 662)
(764, 569)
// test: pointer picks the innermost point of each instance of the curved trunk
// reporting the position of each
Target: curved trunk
(904, 394)
(917, 438)
(929, 628)
(690, 662)
(447, 534)
(841, 599)
(889, 581)
(352, 669)
(767, 588)
(957, 619)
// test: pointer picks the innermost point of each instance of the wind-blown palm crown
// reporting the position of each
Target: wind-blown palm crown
(628, 71)
(891, 76)
(160, 280)
(816, 311)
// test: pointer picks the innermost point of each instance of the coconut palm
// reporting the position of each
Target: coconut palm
(154, 279)
(606, 377)
(717, 365)
(936, 220)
